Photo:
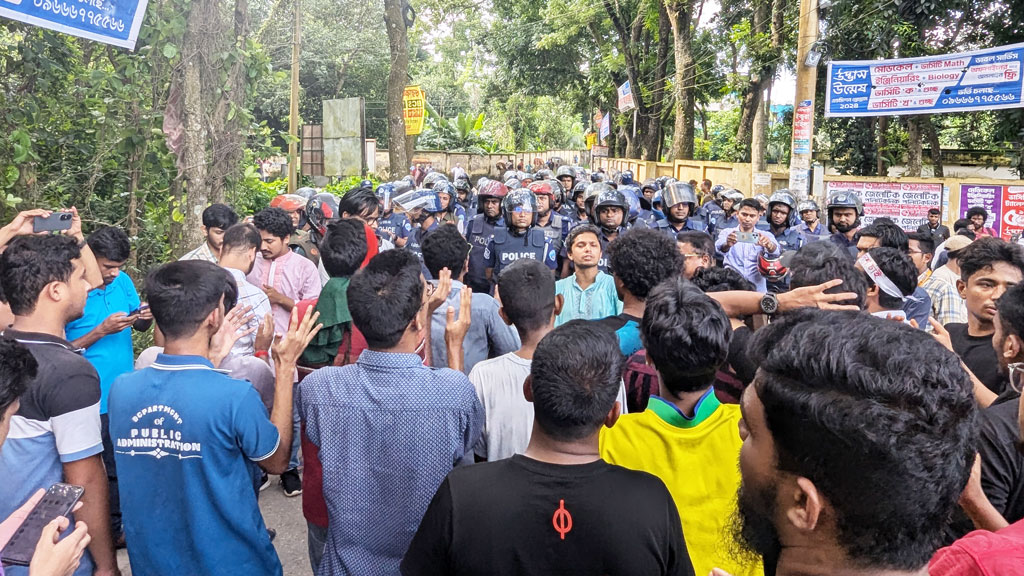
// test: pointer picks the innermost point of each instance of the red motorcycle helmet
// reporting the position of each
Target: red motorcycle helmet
(770, 267)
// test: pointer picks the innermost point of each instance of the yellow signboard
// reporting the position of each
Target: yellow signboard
(415, 109)
(591, 140)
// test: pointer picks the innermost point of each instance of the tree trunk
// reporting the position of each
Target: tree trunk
(933, 143)
(398, 42)
(759, 136)
(883, 145)
(192, 157)
(681, 16)
(631, 39)
(914, 154)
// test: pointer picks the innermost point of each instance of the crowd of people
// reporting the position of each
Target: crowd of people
(554, 372)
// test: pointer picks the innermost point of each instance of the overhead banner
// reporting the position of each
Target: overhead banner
(626, 100)
(1004, 204)
(114, 22)
(987, 79)
(606, 126)
(414, 102)
(905, 203)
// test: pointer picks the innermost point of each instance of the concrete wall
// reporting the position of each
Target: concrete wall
(475, 164)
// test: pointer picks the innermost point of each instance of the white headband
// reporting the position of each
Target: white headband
(878, 277)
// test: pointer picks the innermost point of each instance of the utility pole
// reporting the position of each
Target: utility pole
(293, 115)
(803, 112)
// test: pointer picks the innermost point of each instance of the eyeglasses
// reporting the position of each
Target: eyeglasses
(1016, 370)
(692, 255)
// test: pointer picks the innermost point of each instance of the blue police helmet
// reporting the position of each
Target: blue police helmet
(385, 192)
(632, 198)
(521, 199)
(626, 178)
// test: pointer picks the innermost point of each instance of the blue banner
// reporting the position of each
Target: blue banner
(987, 79)
(606, 125)
(114, 22)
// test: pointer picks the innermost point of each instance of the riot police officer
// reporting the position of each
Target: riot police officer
(810, 220)
(392, 226)
(639, 216)
(451, 211)
(609, 210)
(578, 210)
(421, 207)
(781, 205)
(566, 176)
(844, 211)
(679, 203)
(480, 232)
(520, 238)
(727, 219)
(551, 222)
(320, 210)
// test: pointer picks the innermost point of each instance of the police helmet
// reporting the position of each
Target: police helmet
(402, 186)
(577, 190)
(544, 174)
(306, 192)
(519, 200)
(544, 188)
(626, 178)
(782, 197)
(678, 193)
(513, 183)
(610, 199)
(717, 190)
(386, 193)
(660, 181)
(845, 200)
(462, 184)
(288, 202)
(630, 193)
(433, 178)
(762, 199)
(366, 184)
(735, 195)
(509, 174)
(806, 205)
(565, 171)
(492, 189)
(444, 187)
(650, 183)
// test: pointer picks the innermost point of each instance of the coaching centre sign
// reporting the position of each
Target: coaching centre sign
(414, 102)
(114, 22)
(981, 80)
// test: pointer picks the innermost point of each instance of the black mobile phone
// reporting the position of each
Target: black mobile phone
(53, 223)
(142, 308)
(59, 500)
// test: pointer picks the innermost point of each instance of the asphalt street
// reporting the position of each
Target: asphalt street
(282, 514)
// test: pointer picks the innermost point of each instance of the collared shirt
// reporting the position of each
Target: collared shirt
(58, 422)
(111, 355)
(186, 438)
(840, 239)
(947, 305)
(389, 429)
(742, 257)
(599, 300)
(203, 252)
(821, 230)
(291, 275)
(249, 295)
(488, 335)
(945, 274)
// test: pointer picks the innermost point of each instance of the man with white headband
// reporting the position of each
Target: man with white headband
(892, 278)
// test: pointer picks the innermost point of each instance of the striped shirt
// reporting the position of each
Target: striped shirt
(203, 252)
(249, 295)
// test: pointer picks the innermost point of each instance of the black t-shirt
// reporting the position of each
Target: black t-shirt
(979, 355)
(523, 516)
(1002, 462)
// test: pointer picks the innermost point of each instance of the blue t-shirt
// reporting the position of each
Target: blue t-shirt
(184, 438)
(111, 355)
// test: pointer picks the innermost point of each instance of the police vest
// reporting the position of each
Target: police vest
(790, 239)
(394, 225)
(478, 234)
(554, 230)
(302, 244)
(690, 224)
(508, 248)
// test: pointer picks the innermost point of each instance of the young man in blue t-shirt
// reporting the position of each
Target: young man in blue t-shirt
(185, 435)
(104, 332)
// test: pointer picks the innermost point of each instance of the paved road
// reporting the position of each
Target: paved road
(282, 514)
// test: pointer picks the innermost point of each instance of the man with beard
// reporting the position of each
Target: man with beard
(481, 230)
(844, 210)
(521, 238)
(609, 212)
(998, 496)
(823, 493)
(679, 203)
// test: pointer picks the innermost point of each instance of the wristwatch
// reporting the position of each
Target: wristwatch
(769, 304)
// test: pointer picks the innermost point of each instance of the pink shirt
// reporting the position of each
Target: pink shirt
(983, 553)
(292, 275)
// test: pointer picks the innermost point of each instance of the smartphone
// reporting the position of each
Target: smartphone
(59, 500)
(53, 223)
(139, 310)
(746, 237)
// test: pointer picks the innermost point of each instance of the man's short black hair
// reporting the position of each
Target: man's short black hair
(891, 484)
(445, 247)
(344, 248)
(934, 212)
(579, 230)
(702, 242)
(977, 211)
(110, 242)
(17, 368)
(241, 237)
(575, 373)
(358, 202)
(183, 293)
(818, 262)
(274, 220)
(642, 258)
(686, 335)
(219, 216)
(900, 269)
(720, 279)
(32, 262)
(527, 291)
(749, 203)
(889, 235)
(925, 241)
(961, 226)
(385, 296)
(1011, 310)
(984, 252)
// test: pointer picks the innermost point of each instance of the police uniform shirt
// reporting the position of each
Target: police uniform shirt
(479, 234)
(505, 248)
(394, 226)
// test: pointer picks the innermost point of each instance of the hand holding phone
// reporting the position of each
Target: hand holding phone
(139, 310)
(746, 237)
(58, 501)
(55, 222)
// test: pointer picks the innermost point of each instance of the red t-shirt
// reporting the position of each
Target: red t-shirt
(983, 553)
